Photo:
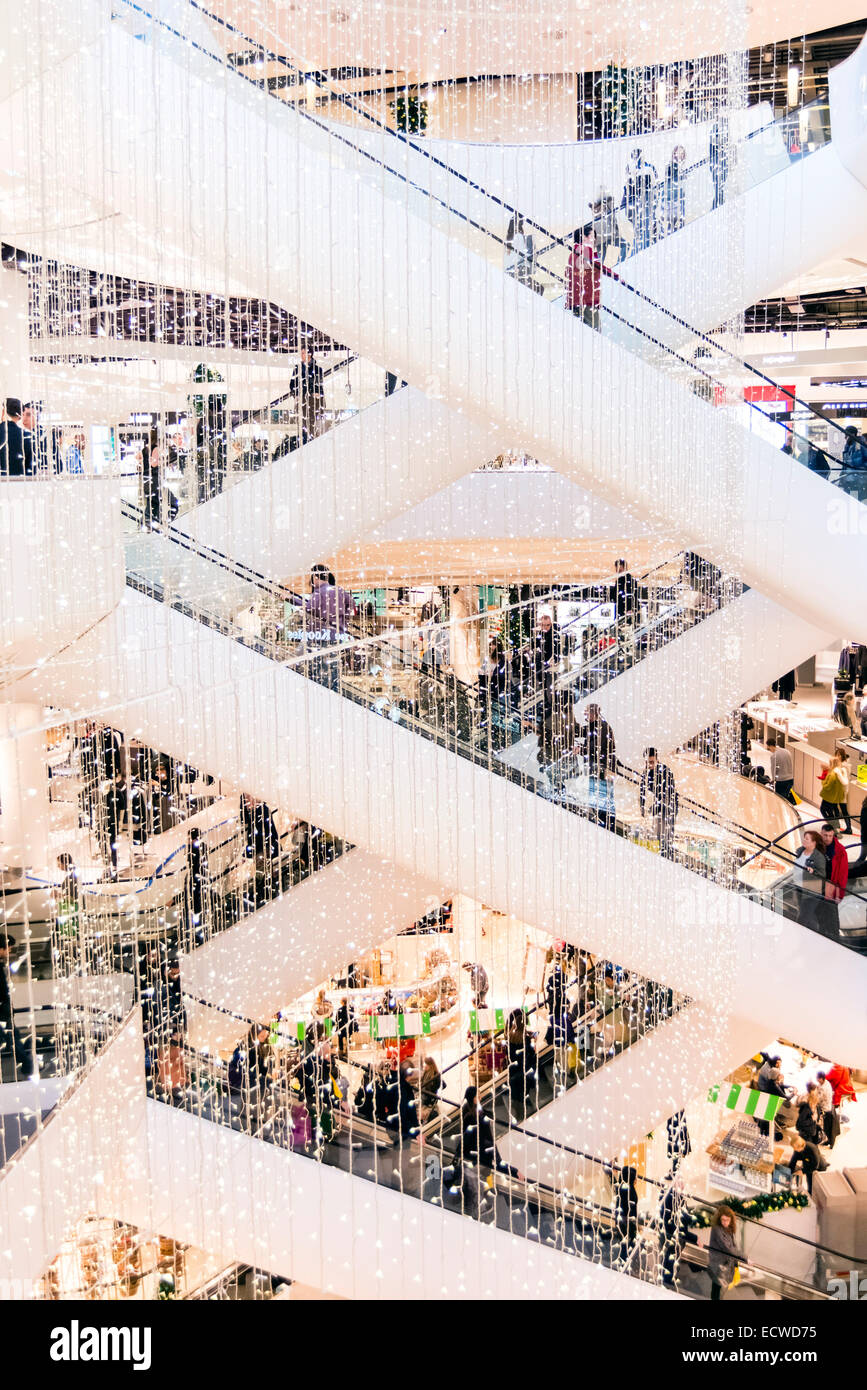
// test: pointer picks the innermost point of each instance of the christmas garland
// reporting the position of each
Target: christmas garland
(750, 1208)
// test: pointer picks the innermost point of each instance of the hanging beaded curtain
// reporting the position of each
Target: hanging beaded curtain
(349, 847)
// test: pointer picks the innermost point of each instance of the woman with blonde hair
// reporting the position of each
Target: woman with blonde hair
(835, 790)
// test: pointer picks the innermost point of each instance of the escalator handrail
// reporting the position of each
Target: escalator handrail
(427, 193)
(321, 79)
(408, 721)
(229, 630)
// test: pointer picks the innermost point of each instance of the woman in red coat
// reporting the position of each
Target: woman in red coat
(837, 861)
(584, 278)
(840, 1082)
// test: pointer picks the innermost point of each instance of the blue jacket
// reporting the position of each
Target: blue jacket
(855, 454)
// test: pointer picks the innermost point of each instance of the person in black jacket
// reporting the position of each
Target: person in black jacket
(806, 1158)
(262, 844)
(625, 594)
(12, 1040)
(657, 796)
(35, 441)
(678, 1140)
(16, 453)
(307, 385)
(522, 1062)
(596, 741)
(809, 1125)
(249, 1076)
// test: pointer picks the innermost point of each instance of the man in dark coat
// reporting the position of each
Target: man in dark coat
(16, 450)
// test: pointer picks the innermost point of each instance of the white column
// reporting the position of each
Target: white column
(25, 810)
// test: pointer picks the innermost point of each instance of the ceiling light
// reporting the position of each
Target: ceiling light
(793, 81)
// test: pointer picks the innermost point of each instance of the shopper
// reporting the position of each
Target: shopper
(74, 458)
(322, 1006)
(478, 1146)
(675, 189)
(678, 1142)
(67, 898)
(112, 807)
(810, 874)
(607, 227)
(596, 741)
(478, 983)
(837, 877)
(430, 1085)
(343, 1028)
(328, 608)
(658, 801)
(16, 456)
(307, 385)
(547, 652)
(671, 1229)
(152, 480)
(198, 882)
(262, 845)
(840, 1081)
(722, 1251)
(835, 790)
(827, 1111)
(523, 1077)
(12, 1040)
(720, 158)
(519, 252)
(808, 1124)
(584, 278)
(817, 461)
(624, 1191)
(639, 198)
(625, 594)
(556, 732)
(807, 1159)
(248, 1077)
(855, 450)
(782, 768)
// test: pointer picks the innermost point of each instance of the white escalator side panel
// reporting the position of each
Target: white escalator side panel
(489, 347)
(848, 92)
(712, 669)
(252, 1203)
(268, 730)
(635, 1092)
(811, 212)
(90, 1155)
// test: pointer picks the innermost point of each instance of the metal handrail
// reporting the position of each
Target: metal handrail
(342, 138)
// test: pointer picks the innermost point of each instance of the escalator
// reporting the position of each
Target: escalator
(465, 348)
(307, 731)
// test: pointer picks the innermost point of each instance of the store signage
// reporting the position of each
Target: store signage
(746, 1100)
(294, 1028)
(781, 395)
(399, 1025)
(487, 1020)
